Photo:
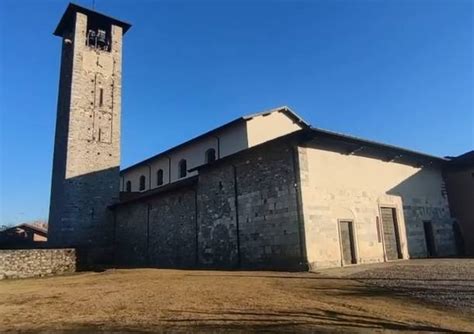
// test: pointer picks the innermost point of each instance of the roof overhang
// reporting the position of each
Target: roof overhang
(68, 18)
(352, 145)
(185, 183)
(284, 109)
(463, 160)
(344, 144)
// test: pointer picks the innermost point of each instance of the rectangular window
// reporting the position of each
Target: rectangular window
(101, 97)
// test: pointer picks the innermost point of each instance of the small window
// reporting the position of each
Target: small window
(129, 186)
(142, 182)
(159, 177)
(210, 155)
(182, 168)
(101, 97)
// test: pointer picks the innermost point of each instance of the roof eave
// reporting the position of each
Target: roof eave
(372, 143)
(245, 118)
(73, 8)
(289, 112)
(188, 142)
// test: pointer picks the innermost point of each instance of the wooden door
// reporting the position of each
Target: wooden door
(390, 234)
(429, 238)
(347, 242)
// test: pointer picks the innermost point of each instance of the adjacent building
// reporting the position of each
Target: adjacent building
(460, 186)
(23, 236)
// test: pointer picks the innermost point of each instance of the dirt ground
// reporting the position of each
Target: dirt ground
(157, 300)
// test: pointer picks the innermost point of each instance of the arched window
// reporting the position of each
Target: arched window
(182, 168)
(159, 177)
(210, 155)
(142, 182)
(128, 186)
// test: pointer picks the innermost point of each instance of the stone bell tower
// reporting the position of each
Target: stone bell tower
(86, 162)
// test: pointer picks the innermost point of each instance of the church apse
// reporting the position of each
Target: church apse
(87, 142)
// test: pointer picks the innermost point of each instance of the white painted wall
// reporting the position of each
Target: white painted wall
(264, 128)
(231, 140)
(337, 186)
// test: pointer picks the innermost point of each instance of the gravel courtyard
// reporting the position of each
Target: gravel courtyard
(445, 282)
(418, 295)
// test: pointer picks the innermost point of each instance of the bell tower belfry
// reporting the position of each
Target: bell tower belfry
(86, 163)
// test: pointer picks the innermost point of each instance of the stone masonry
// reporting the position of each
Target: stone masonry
(279, 205)
(87, 143)
(157, 231)
(23, 263)
(291, 197)
(205, 225)
(266, 211)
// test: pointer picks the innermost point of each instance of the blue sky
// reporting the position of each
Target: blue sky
(399, 72)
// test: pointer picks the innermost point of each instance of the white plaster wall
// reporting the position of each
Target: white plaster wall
(134, 176)
(161, 163)
(336, 186)
(233, 139)
(194, 155)
(264, 128)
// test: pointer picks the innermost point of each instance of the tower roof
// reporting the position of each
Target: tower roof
(67, 19)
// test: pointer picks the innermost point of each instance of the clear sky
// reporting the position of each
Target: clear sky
(399, 72)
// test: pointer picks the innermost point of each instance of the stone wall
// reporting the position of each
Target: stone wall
(157, 231)
(241, 213)
(86, 162)
(460, 187)
(218, 244)
(260, 228)
(23, 263)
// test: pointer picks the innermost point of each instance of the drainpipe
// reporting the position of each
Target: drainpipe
(218, 146)
(148, 234)
(298, 198)
(196, 228)
(237, 227)
(169, 169)
(149, 177)
(114, 240)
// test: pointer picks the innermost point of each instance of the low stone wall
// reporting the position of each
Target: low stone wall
(23, 263)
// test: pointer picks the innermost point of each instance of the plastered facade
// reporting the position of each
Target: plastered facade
(249, 133)
(337, 187)
(269, 126)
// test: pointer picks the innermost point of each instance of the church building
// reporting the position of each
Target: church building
(264, 191)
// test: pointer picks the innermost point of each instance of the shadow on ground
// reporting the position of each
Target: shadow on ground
(193, 321)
